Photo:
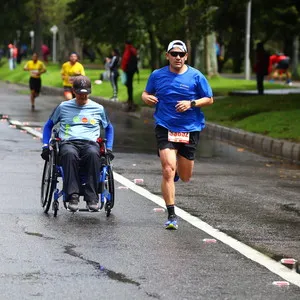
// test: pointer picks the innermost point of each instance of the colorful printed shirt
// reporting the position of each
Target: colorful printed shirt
(79, 122)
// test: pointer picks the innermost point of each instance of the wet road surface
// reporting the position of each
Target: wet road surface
(129, 255)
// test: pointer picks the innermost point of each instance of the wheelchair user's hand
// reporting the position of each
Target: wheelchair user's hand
(110, 154)
(45, 153)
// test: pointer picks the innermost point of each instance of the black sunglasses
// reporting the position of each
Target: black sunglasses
(175, 53)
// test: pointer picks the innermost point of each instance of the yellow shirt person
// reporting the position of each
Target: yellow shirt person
(36, 69)
(69, 70)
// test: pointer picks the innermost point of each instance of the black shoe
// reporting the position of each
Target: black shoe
(73, 202)
(32, 108)
(93, 206)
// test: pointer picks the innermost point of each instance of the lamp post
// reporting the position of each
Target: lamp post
(54, 30)
(31, 34)
(247, 44)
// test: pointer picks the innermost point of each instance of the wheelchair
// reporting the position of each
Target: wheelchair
(51, 186)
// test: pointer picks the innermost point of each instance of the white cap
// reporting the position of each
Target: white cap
(177, 44)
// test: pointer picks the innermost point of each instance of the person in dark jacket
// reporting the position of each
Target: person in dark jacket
(261, 66)
(129, 67)
(114, 63)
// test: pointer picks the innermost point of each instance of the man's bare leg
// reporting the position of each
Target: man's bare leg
(184, 168)
(168, 163)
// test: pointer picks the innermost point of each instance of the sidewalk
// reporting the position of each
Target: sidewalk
(293, 89)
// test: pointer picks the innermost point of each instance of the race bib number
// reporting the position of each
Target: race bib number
(179, 137)
(34, 72)
(71, 79)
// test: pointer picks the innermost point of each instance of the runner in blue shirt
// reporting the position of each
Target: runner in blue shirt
(178, 92)
(80, 121)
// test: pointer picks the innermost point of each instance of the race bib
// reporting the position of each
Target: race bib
(179, 137)
(34, 72)
(71, 79)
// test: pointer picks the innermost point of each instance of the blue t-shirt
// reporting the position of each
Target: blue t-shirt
(170, 88)
(79, 122)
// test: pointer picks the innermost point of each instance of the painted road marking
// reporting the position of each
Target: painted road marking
(272, 265)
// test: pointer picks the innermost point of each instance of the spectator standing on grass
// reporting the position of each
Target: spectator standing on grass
(129, 67)
(114, 63)
(261, 66)
(279, 64)
(12, 56)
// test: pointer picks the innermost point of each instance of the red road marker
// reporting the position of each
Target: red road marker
(209, 241)
(288, 261)
(281, 283)
(138, 181)
(158, 209)
(123, 187)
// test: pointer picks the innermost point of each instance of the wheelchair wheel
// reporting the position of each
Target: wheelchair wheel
(110, 187)
(48, 182)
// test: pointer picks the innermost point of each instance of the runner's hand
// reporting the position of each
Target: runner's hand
(183, 105)
(45, 153)
(151, 100)
(110, 154)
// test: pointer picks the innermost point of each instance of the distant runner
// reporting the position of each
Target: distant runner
(36, 68)
(69, 71)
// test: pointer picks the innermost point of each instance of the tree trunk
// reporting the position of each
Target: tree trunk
(38, 27)
(153, 49)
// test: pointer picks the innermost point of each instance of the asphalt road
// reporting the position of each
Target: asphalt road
(130, 255)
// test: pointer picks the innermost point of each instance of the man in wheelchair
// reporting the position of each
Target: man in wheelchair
(80, 121)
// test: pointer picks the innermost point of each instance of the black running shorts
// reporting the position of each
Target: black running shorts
(35, 84)
(69, 89)
(185, 150)
(283, 64)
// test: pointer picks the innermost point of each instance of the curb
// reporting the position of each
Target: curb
(258, 143)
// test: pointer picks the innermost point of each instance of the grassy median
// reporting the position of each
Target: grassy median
(277, 116)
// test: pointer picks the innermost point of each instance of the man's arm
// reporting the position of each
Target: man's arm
(149, 99)
(47, 132)
(109, 135)
(184, 105)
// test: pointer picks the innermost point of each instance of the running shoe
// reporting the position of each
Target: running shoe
(172, 223)
(73, 202)
(176, 177)
(93, 206)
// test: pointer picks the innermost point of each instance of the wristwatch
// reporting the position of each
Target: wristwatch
(193, 103)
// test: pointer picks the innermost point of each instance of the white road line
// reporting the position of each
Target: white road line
(254, 255)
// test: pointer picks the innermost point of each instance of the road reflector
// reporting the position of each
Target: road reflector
(158, 209)
(138, 181)
(122, 187)
(281, 283)
(209, 241)
(288, 261)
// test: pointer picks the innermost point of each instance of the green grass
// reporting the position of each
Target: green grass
(277, 116)
(272, 115)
